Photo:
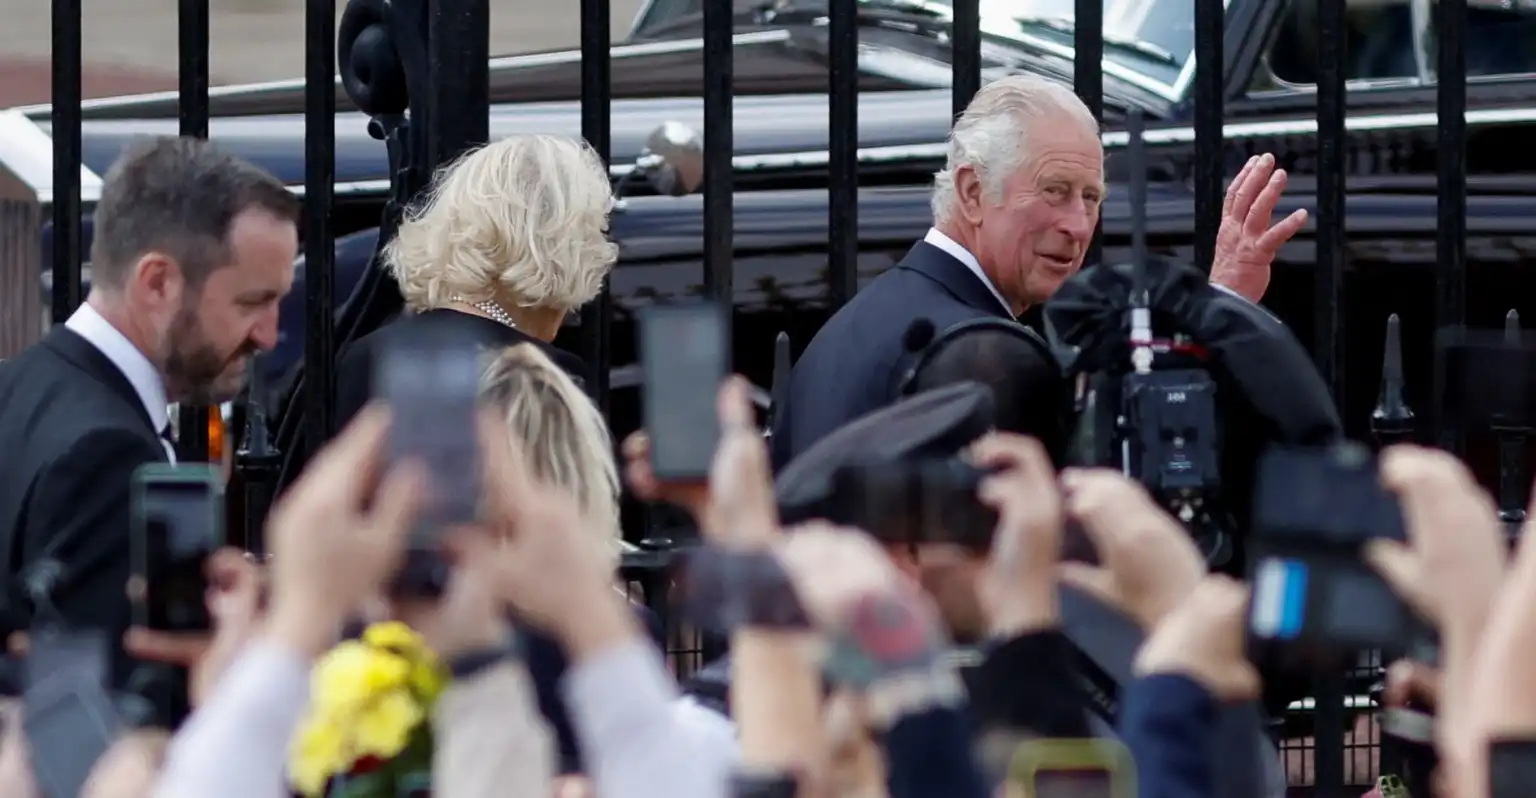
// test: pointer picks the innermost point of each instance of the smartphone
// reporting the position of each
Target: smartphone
(1314, 596)
(1073, 768)
(931, 500)
(685, 353)
(68, 717)
(177, 522)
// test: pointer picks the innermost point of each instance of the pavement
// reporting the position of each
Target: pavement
(130, 45)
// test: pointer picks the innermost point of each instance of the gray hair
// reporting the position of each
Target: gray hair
(992, 136)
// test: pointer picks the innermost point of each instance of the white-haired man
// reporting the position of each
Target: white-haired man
(1014, 212)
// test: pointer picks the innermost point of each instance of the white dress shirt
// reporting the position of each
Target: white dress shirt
(959, 253)
(142, 374)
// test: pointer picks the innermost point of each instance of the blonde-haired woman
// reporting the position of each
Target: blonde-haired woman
(560, 433)
(567, 446)
(511, 239)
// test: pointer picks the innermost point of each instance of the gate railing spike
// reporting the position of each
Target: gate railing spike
(1392, 421)
(778, 390)
(1512, 436)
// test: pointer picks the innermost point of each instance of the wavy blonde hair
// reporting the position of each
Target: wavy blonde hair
(564, 440)
(523, 220)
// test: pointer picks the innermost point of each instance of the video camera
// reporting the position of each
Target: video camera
(1180, 384)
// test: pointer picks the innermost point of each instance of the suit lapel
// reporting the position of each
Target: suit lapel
(953, 276)
(83, 355)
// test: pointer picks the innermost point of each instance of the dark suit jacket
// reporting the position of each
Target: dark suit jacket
(73, 432)
(855, 363)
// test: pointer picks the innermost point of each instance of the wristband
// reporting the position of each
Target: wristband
(763, 785)
(726, 590)
(472, 663)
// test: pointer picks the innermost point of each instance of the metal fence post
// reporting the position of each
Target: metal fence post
(597, 129)
(843, 151)
(65, 131)
(965, 54)
(719, 147)
(1209, 167)
(1451, 189)
(192, 116)
(319, 246)
(1088, 81)
(1328, 342)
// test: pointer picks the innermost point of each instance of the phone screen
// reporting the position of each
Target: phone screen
(685, 350)
(431, 386)
(1073, 783)
(178, 523)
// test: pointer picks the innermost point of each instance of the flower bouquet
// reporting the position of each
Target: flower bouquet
(368, 731)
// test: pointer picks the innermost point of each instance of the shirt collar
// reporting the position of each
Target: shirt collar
(142, 374)
(959, 253)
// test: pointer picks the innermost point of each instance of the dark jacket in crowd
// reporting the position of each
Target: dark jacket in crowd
(73, 433)
(855, 363)
(1169, 725)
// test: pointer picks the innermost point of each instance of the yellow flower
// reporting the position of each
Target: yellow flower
(352, 673)
(384, 726)
(395, 636)
(318, 753)
(428, 679)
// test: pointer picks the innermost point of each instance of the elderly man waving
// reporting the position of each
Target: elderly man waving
(1014, 209)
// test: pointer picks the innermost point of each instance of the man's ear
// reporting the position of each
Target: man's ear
(969, 193)
(157, 278)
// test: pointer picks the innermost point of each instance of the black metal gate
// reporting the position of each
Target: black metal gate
(422, 74)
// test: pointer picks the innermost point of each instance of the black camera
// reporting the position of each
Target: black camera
(1162, 428)
(1316, 601)
(928, 500)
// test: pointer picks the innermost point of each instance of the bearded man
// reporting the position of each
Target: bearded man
(1014, 211)
(192, 250)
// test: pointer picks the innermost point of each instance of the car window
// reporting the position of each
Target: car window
(1380, 42)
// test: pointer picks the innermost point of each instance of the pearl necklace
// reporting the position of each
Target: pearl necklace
(489, 308)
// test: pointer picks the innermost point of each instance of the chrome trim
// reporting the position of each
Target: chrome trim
(936, 150)
(26, 151)
(499, 63)
(1423, 22)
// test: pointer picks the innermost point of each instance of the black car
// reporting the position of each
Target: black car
(781, 79)
(781, 132)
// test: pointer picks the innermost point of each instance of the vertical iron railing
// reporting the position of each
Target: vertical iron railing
(843, 151)
(192, 116)
(1451, 185)
(965, 54)
(719, 147)
(1088, 80)
(1210, 69)
(1328, 339)
(459, 54)
(65, 114)
(319, 246)
(597, 129)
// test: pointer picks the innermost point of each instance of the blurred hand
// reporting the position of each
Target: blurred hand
(1149, 563)
(235, 596)
(1202, 638)
(742, 512)
(832, 568)
(130, 768)
(537, 553)
(574, 787)
(855, 760)
(1452, 565)
(15, 763)
(1018, 588)
(1407, 681)
(339, 533)
(691, 495)
(468, 617)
